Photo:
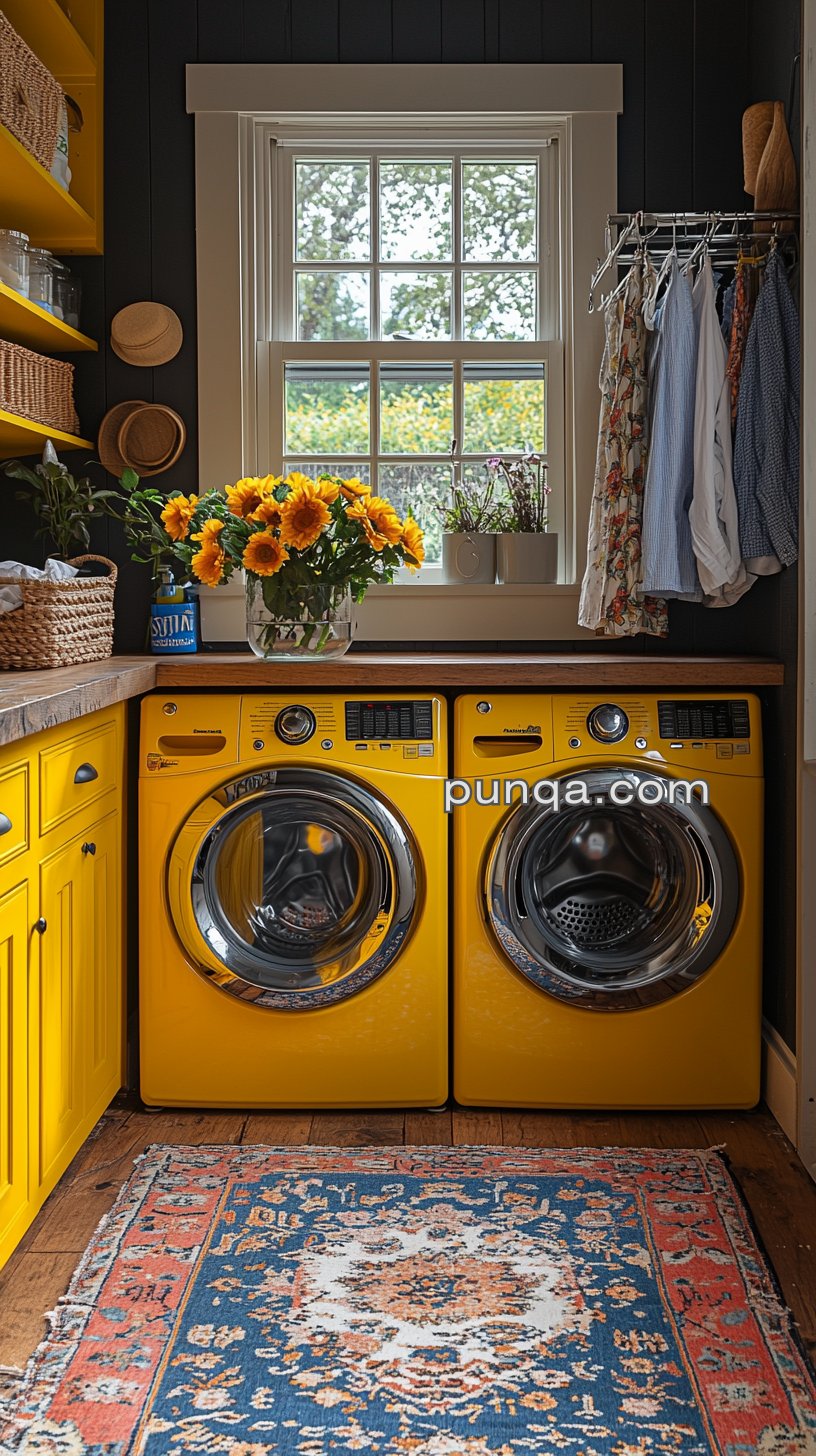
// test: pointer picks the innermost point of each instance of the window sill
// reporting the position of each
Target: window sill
(438, 612)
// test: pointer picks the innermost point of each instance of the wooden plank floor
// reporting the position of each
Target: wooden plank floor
(781, 1196)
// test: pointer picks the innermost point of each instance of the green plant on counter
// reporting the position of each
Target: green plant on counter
(63, 503)
(138, 510)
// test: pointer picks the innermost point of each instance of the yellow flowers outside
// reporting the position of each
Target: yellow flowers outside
(293, 534)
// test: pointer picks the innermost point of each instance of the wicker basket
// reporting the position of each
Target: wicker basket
(59, 622)
(30, 97)
(40, 389)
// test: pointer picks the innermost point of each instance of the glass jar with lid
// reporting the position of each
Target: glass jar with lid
(67, 294)
(14, 260)
(41, 278)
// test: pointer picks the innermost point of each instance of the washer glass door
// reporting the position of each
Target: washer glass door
(613, 906)
(300, 893)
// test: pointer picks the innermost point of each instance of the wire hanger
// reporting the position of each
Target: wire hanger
(634, 227)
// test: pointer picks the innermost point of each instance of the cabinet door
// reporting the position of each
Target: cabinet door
(56, 1019)
(102, 963)
(15, 929)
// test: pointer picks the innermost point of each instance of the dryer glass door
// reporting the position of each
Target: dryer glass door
(613, 906)
(301, 893)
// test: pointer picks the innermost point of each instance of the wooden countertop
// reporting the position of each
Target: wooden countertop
(31, 701)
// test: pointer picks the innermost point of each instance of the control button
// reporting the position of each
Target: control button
(425, 750)
(675, 745)
(409, 750)
(575, 743)
(327, 743)
(295, 724)
(698, 745)
(361, 747)
(640, 743)
(484, 707)
(608, 723)
(385, 745)
(258, 744)
(170, 709)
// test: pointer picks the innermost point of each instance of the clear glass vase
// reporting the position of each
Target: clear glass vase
(312, 621)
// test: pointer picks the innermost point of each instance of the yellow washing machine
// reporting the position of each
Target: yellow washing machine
(608, 900)
(293, 901)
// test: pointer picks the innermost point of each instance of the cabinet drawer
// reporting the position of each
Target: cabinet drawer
(76, 771)
(14, 810)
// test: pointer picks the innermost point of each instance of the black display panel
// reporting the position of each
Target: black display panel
(704, 719)
(387, 721)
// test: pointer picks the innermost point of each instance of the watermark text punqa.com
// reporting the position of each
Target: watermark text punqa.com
(557, 794)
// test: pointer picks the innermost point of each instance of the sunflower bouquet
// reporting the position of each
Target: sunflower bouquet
(307, 547)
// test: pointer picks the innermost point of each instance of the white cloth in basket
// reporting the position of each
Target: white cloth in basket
(12, 597)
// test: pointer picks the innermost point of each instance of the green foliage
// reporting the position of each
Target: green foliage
(139, 513)
(61, 502)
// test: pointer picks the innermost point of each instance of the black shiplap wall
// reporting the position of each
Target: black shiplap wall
(690, 68)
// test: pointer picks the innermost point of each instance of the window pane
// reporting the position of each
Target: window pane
(499, 211)
(346, 468)
(415, 305)
(416, 409)
(327, 409)
(424, 490)
(332, 211)
(415, 211)
(504, 408)
(332, 306)
(499, 305)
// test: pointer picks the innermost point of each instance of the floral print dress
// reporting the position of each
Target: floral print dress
(610, 604)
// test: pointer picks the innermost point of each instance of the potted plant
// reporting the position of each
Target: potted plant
(309, 550)
(469, 541)
(63, 505)
(526, 550)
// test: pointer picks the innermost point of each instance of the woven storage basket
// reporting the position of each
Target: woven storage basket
(40, 389)
(30, 97)
(60, 622)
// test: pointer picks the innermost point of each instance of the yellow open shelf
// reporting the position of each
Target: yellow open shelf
(24, 322)
(45, 27)
(19, 436)
(31, 199)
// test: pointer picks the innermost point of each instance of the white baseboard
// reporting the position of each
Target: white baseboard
(779, 1079)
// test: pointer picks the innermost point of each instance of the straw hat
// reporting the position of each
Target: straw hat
(148, 438)
(777, 186)
(756, 128)
(146, 334)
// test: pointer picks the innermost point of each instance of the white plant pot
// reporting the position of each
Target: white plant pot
(527, 556)
(469, 557)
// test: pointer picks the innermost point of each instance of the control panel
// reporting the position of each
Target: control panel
(389, 720)
(717, 718)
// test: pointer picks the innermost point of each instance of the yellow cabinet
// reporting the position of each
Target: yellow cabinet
(61, 954)
(15, 929)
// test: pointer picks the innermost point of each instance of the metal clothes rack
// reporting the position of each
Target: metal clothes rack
(725, 236)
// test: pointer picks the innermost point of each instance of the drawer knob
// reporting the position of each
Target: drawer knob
(89, 847)
(85, 774)
(41, 926)
(5, 824)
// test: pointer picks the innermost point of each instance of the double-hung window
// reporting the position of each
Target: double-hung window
(413, 316)
(393, 265)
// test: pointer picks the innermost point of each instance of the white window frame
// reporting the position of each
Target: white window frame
(237, 109)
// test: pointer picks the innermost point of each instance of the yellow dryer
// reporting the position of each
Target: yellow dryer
(293, 901)
(608, 900)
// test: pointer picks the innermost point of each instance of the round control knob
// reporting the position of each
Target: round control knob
(295, 724)
(608, 723)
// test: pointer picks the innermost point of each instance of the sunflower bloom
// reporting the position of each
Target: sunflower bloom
(414, 543)
(328, 489)
(210, 531)
(264, 554)
(297, 481)
(354, 489)
(268, 513)
(246, 495)
(208, 563)
(378, 519)
(177, 515)
(303, 516)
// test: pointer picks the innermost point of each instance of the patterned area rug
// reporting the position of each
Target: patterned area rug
(420, 1302)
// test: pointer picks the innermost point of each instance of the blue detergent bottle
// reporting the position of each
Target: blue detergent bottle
(173, 615)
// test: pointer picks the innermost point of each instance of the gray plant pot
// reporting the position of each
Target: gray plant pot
(527, 556)
(469, 558)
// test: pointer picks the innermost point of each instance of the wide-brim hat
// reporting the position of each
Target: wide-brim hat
(147, 438)
(146, 334)
(756, 128)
